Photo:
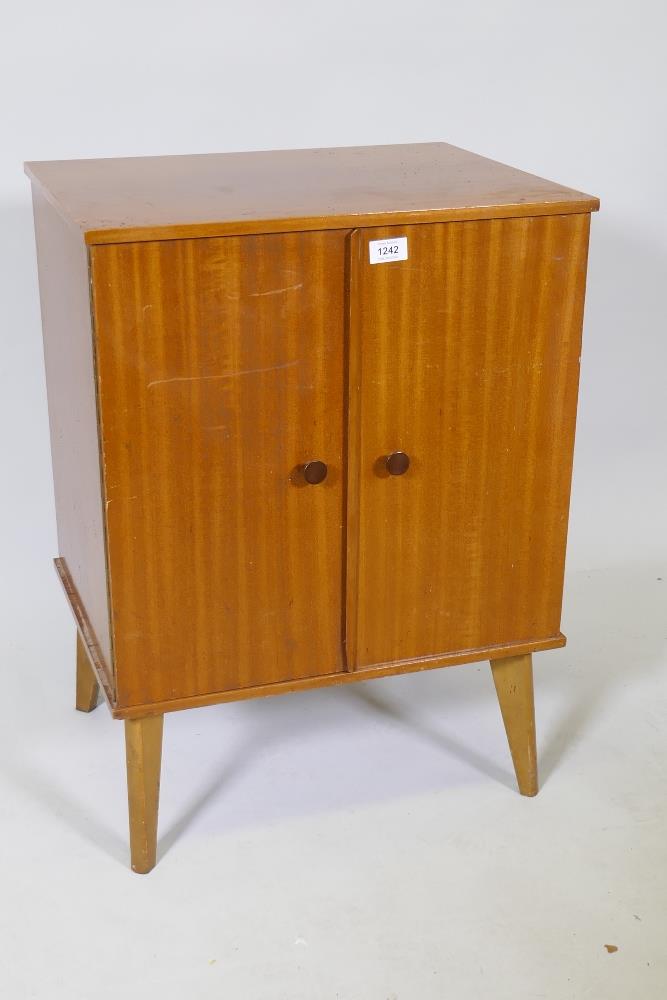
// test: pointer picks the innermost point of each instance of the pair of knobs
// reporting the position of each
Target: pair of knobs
(396, 464)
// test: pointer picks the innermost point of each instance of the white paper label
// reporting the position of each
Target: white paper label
(384, 251)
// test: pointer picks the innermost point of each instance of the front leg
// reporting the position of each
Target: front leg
(143, 747)
(513, 677)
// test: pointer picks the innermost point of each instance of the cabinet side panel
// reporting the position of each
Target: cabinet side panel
(62, 261)
(467, 359)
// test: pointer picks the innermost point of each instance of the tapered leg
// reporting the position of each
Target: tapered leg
(143, 747)
(513, 678)
(87, 688)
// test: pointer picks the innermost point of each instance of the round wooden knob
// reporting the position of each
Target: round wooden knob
(315, 472)
(397, 463)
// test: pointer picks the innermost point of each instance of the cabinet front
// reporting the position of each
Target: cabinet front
(221, 385)
(464, 363)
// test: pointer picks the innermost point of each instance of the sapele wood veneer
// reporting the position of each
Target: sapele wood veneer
(279, 465)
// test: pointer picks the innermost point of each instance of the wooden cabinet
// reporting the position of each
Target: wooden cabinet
(284, 458)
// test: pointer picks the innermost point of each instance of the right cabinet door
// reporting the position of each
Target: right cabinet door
(465, 358)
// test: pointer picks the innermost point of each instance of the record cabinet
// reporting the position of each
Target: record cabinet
(312, 419)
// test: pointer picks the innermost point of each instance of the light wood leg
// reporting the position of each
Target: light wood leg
(143, 747)
(87, 688)
(513, 677)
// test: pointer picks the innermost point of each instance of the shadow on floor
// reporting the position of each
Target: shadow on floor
(615, 621)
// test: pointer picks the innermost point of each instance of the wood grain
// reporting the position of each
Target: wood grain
(70, 376)
(143, 751)
(241, 346)
(466, 357)
(513, 679)
(351, 677)
(169, 197)
(220, 373)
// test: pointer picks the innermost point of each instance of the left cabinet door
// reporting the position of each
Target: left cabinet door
(220, 376)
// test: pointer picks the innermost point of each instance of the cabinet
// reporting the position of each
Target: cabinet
(283, 461)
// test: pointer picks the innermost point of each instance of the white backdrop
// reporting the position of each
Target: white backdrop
(575, 91)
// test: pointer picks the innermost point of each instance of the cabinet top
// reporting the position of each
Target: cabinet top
(220, 194)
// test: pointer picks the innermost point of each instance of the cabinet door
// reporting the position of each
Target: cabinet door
(465, 357)
(220, 367)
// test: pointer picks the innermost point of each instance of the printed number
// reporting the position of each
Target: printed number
(381, 251)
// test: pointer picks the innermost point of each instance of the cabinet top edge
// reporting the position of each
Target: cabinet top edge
(132, 199)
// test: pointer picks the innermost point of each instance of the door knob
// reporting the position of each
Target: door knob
(397, 463)
(315, 472)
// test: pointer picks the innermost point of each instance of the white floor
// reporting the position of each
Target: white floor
(365, 843)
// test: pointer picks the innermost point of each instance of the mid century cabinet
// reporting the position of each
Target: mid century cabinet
(312, 418)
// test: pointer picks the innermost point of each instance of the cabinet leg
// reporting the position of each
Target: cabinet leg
(513, 678)
(87, 688)
(143, 748)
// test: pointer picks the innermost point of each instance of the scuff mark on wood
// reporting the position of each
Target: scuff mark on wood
(213, 378)
(272, 291)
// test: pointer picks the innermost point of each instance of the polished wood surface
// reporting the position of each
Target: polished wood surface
(87, 688)
(513, 678)
(169, 197)
(351, 677)
(220, 366)
(70, 376)
(143, 751)
(307, 683)
(466, 357)
(279, 466)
